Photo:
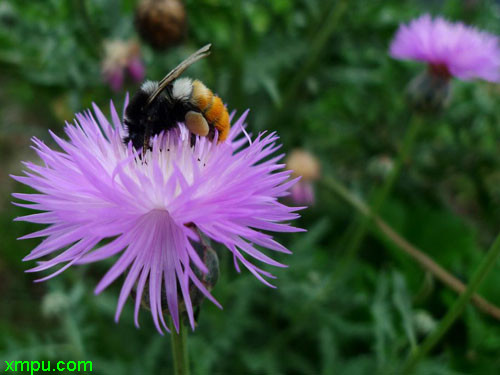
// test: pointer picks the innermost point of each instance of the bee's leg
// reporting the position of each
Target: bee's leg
(196, 123)
(211, 133)
(193, 139)
(147, 136)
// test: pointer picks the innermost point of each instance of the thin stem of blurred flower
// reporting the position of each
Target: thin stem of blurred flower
(456, 310)
(425, 288)
(380, 198)
(238, 56)
(318, 45)
(402, 244)
(313, 54)
(179, 349)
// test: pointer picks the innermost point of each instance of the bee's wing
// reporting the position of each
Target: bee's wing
(179, 69)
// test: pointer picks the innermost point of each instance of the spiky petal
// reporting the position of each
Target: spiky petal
(449, 48)
(96, 188)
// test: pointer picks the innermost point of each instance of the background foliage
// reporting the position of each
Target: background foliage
(330, 88)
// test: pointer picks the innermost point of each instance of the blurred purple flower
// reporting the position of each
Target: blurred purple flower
(303, 192)
(121, 57)
(115, 79)
(136, 69)
(97, 188)
(451, 49)
(305, 166)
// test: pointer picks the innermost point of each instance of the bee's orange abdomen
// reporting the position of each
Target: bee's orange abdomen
(215, 111)
(223, 125)
(202, 96)
(212, 107)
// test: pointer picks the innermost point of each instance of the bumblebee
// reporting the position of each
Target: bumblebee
(160, 106)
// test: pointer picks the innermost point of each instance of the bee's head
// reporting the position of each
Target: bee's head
(143, 116)
(138, 108)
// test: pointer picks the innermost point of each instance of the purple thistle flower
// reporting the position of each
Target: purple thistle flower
(115, 79)
(122, 57)
(303, 192)
(97, 188)
(306, 166)
(450, 49)
(136, 69)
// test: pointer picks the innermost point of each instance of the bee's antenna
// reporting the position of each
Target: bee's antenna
(179, 69)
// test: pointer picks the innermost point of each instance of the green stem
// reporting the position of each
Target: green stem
(454, 312)
(317, 47)
(179, 349)
(313, 54)
(399, 243)
(381, 196)
(238, 54)
(91, 37)
(385, 232)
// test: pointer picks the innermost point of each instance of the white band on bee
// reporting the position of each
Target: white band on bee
(182, 89)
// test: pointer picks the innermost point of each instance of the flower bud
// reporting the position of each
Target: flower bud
(424, 322)
(430, 91)
(304, 164)
(161, 23)
(211, 261)
(380, 166)
(122, 57)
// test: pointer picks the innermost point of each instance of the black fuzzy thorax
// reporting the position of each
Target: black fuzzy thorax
(162, 114)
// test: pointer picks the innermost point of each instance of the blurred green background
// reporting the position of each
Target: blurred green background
(318, 72)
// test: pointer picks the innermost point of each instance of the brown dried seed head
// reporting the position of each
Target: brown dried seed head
(161, 23)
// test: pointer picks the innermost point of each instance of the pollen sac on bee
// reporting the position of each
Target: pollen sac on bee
(161, 23)
(430, 91)
(210, 259)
